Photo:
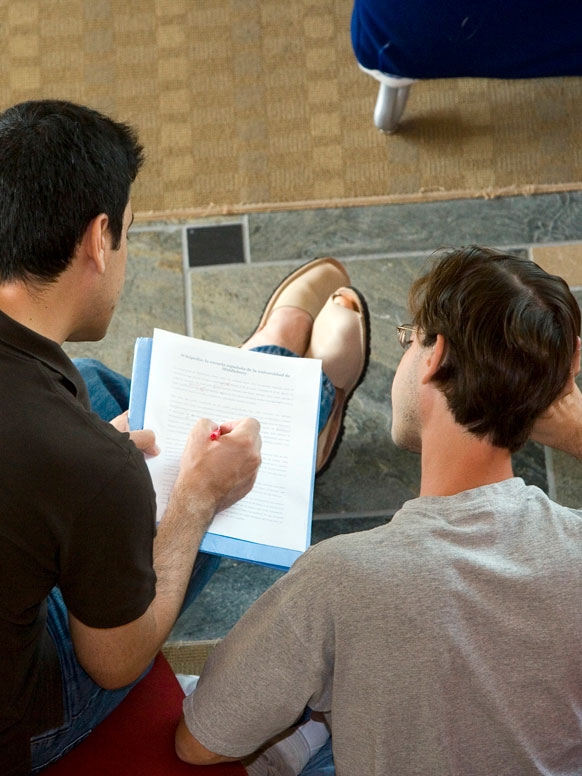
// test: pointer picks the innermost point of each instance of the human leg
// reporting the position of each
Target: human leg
(340, 337)
(299, 317)
(108, 390)
(321, 764)
(292, 753)
(85, 704)
(288, 326)
(287, 320)
(307, 289)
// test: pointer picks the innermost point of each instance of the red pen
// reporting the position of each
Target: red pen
(214, 435)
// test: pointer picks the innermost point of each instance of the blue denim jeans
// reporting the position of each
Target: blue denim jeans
(86, 704)
(321, 764)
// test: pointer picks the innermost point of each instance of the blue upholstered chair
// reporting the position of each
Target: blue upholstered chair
(399, 42)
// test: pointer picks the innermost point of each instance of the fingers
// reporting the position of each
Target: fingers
(224, 469)
(145, 440)
(226, 427)
(574, 370)
(561, 426)
(243, 433)
(121, 422)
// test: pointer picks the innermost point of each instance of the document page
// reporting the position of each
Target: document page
(190, 379)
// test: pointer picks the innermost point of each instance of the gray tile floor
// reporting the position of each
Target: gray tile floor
(384, 248)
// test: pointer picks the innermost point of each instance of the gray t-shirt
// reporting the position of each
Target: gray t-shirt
(446, 642)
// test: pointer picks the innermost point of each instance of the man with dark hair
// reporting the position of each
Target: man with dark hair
(448, 641)
(88, 589)
(77, 506)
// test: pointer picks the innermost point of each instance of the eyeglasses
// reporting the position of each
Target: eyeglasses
(405, 333)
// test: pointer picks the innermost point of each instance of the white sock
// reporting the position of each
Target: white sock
(316, 732)
(289, 755)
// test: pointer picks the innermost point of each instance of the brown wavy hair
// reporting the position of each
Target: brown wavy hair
(511, 331)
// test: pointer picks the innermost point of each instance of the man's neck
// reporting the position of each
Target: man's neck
(462, 462)
(37, 307)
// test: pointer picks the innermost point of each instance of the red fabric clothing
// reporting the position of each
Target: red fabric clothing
(137, 739)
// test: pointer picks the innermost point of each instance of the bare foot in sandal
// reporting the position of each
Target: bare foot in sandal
(340, 331)
(341, 339)
(287, 327)
(287, 319)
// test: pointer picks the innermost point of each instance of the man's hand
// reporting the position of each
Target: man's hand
(560, 426)
(144, 440)
(219, 472)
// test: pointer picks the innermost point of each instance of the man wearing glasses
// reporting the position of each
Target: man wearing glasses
(448, 641)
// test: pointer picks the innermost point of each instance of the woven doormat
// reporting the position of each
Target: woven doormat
(188, 657)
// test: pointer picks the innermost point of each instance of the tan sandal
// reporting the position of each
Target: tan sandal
(341, 339)
(307, 287)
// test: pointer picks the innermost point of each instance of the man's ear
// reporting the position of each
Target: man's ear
(95, 240)
(434, 358)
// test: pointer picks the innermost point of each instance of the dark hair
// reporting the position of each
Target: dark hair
(61, 165)
(511, 332)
